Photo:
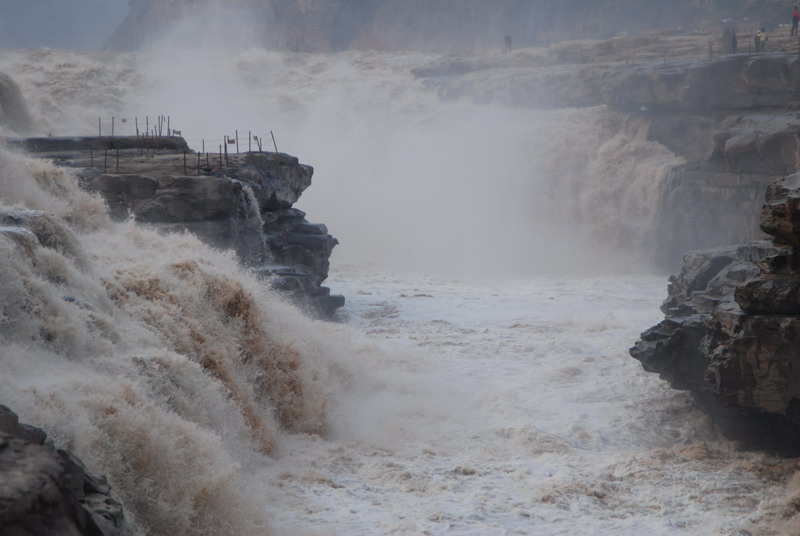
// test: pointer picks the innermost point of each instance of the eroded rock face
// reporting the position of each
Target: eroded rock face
(239, 201)
(732, 327)
(49, 491)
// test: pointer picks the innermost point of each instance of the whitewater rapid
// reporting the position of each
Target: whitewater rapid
(495, 266)
(512, 407)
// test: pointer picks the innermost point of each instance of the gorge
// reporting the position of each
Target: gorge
(500, 217)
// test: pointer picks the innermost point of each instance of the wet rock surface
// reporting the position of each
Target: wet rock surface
(233, 201)
(731, 330)
(47, 491)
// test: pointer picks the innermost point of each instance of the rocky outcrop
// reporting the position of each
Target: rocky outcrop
(49, 491)
(232, 201)
(732, 321)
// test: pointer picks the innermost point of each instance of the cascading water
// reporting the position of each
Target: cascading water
(247, 229)
(154, 357)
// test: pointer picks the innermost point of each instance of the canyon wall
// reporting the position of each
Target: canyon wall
(439, 25)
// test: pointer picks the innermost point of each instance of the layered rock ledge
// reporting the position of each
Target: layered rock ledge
(731, 330)
(242, 202)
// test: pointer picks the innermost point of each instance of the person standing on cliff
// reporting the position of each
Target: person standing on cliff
(795, 21)
(760, 40)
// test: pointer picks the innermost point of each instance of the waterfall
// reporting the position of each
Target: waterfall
(247, 229)
(157, 359)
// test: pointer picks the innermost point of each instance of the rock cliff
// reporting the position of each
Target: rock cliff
(233, 201)
(730, 332)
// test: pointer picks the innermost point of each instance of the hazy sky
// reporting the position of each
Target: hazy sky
(83, 24)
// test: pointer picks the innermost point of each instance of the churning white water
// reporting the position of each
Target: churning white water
(479, 383)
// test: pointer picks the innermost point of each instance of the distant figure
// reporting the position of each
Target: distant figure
(507, 44)
(734, 41)
(795, 21)
(760, 40)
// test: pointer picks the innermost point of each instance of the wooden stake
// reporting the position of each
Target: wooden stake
(237, 141)
(99, 127)
(273, 141)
